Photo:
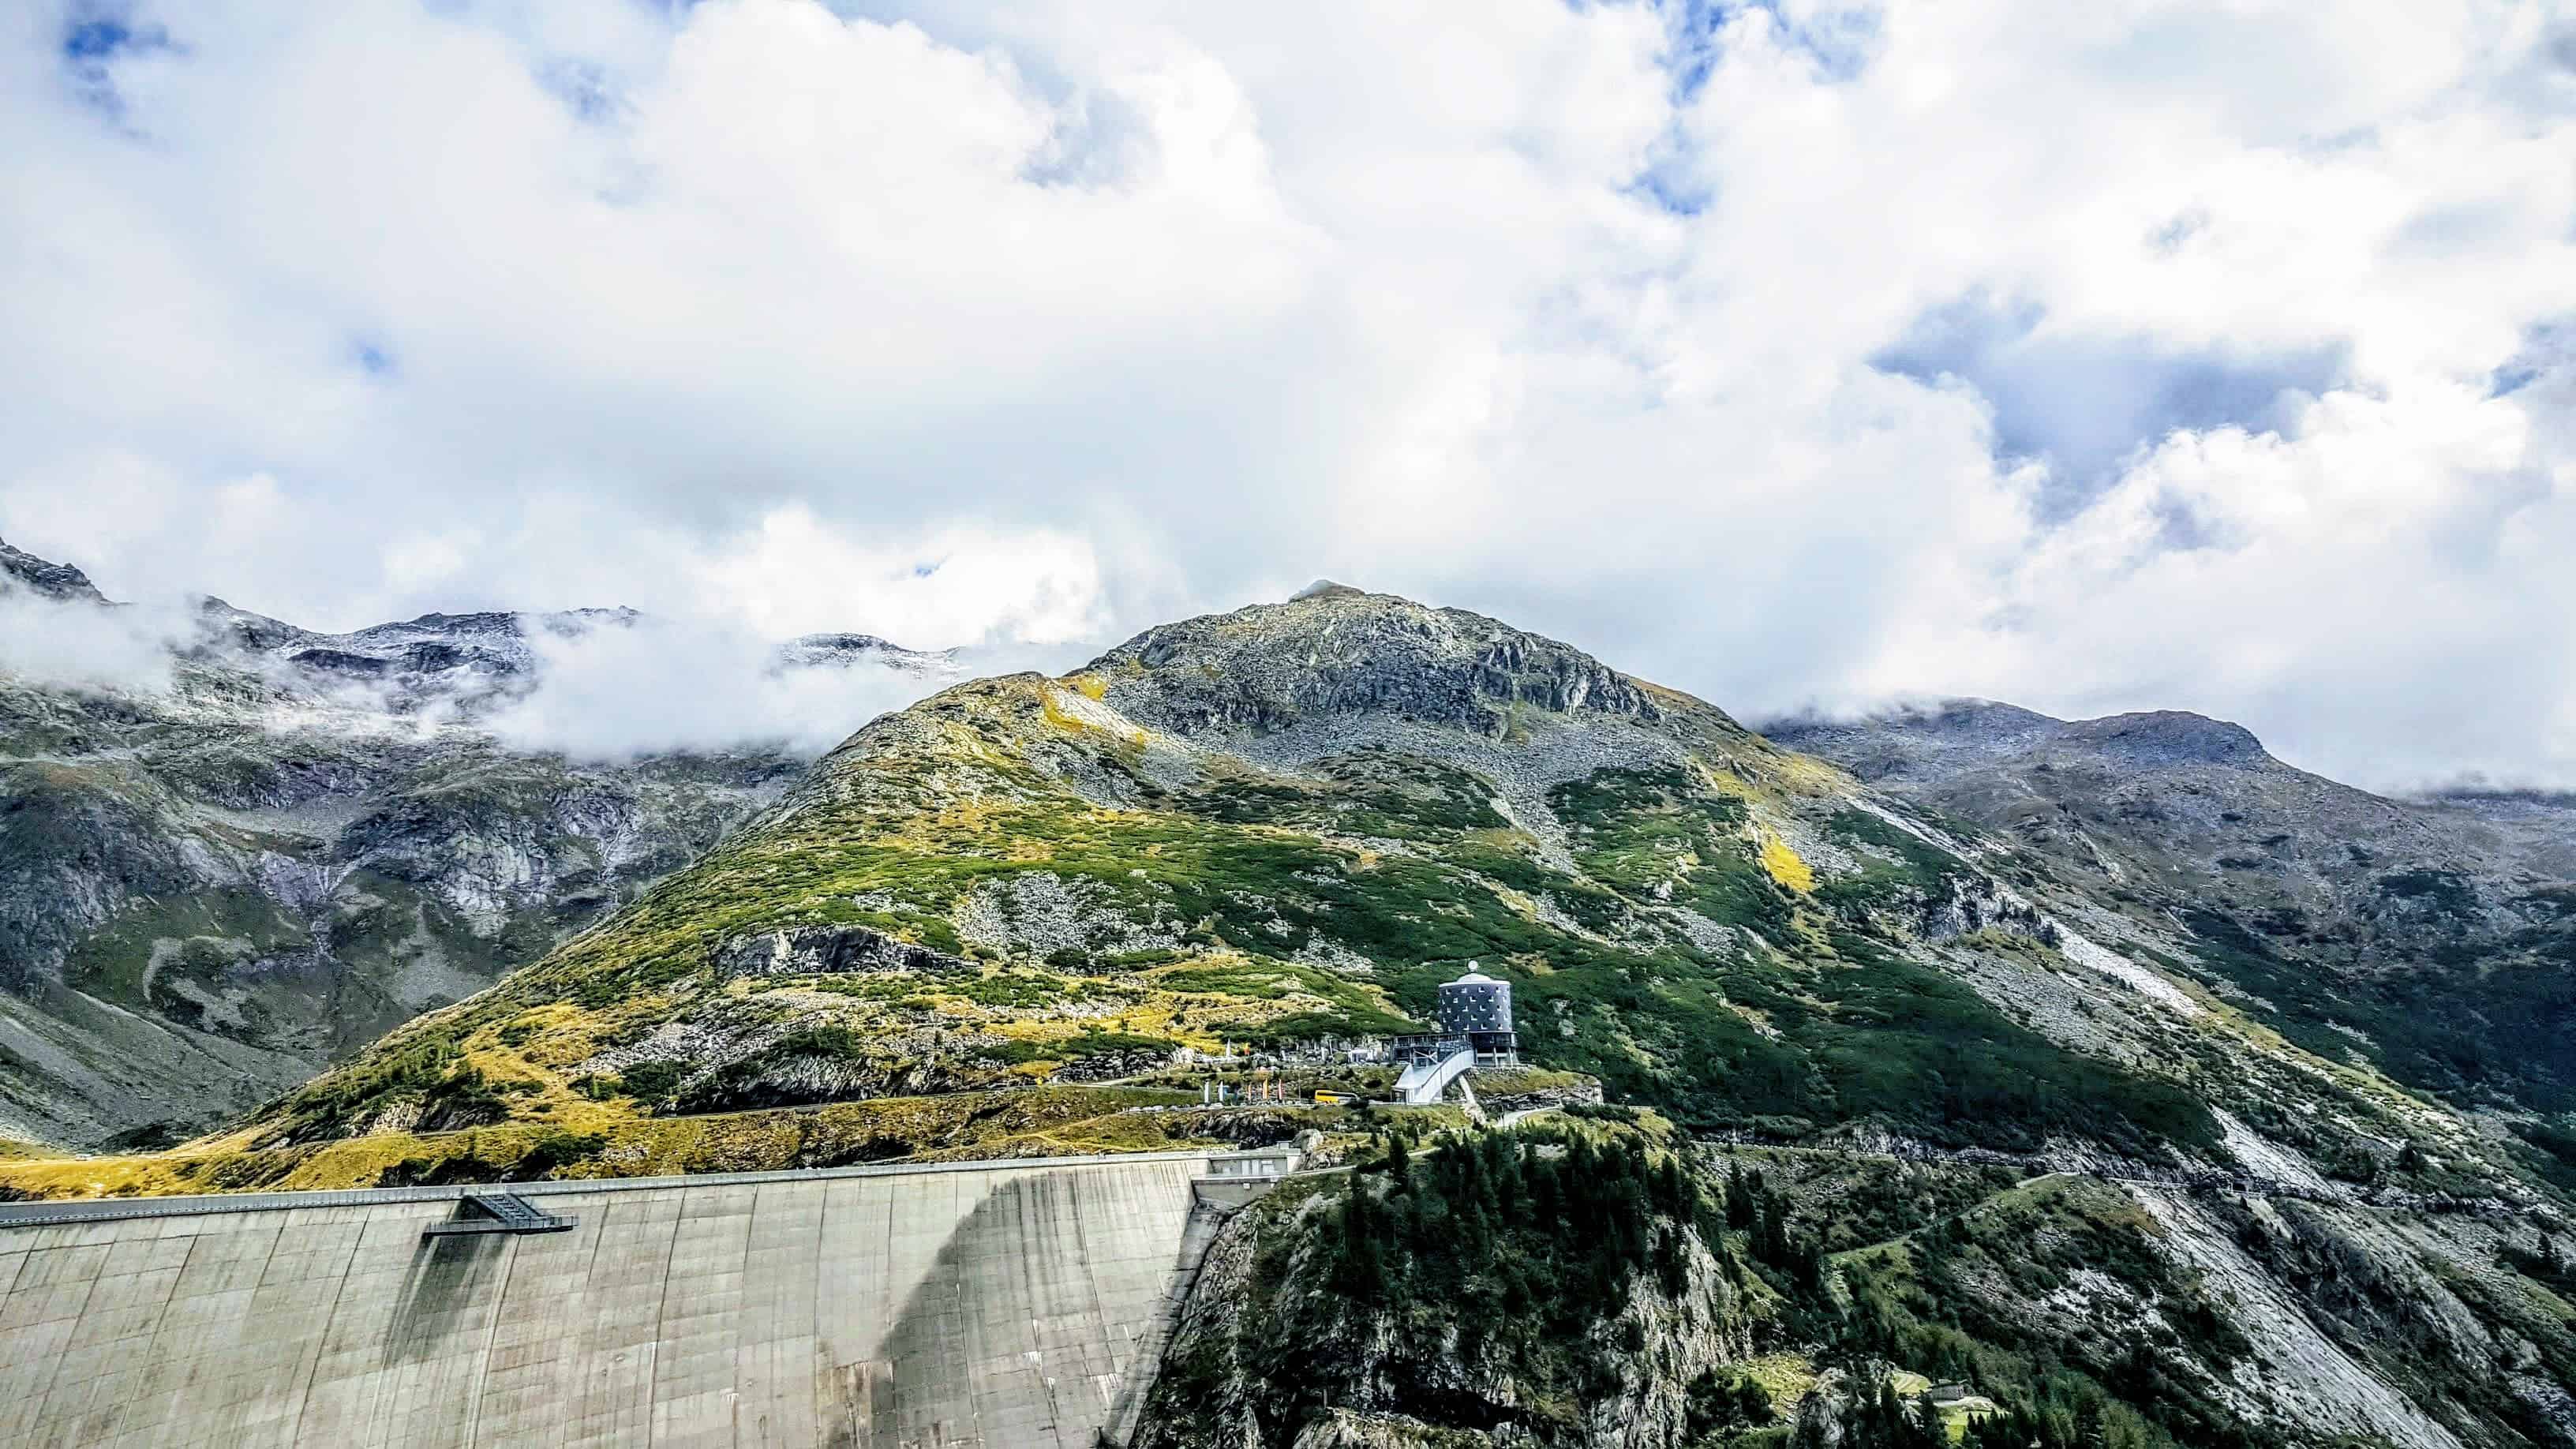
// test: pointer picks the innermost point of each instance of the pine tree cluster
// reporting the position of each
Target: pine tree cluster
(1887, 1420)
(1507, 1233)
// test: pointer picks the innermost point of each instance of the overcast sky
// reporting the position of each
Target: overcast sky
(2091, 356)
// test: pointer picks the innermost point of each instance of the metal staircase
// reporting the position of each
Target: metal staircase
(497, 1212)
(1423, 1082)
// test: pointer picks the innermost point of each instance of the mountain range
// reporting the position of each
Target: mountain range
(1977, 997)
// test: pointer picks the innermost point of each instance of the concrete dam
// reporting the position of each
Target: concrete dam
(992, 1305)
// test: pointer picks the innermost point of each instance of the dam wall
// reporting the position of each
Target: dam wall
(963, 1306)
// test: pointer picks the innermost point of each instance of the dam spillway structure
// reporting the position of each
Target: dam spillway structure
(987, 1305)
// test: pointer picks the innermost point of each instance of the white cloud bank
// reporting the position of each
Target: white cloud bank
(666, 685)
(2092, 357)
(86, 647)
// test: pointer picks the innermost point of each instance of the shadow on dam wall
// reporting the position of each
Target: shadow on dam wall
(1014, 1323)
(1003, 1306)
(448, 1277)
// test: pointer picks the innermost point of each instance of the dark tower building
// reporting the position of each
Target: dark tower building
(1479, 1008)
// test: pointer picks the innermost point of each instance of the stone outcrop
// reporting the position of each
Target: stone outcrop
(833, 950)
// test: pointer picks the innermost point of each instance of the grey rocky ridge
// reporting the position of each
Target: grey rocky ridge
(218, 878)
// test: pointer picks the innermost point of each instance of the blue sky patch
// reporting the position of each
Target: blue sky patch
(2546, 347)
(1672, 183)
(585, 88)
(86, 41)
(94, 38)
(1837, 42)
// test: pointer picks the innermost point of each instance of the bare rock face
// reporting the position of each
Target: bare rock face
(2169, 737)
(828, 950)
(846, 650)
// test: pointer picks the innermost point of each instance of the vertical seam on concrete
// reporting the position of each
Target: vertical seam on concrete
(322, 1346)
(167, 1294)
(581, 1388)
(491, 1331)
(661, 1319)
(882, 1317)
(820, 1360)
(89, 1291)
(1099, 1309)
(742, 1311)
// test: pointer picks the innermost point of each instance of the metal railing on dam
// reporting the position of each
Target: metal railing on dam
(993, 1304)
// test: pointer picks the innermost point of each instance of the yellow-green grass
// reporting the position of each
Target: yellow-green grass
(1045, 1121)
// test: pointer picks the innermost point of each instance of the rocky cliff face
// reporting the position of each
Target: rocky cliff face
(216, 883)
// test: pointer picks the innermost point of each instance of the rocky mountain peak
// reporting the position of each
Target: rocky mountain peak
(1939, 740)
(159, 962)
(61, 582)
(2168, 737)
(222, 626)
(1338, 650)
(1918, 739)
(1324, 589)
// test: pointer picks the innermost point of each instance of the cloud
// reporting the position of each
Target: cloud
(80, 645)
(663, 686)
(2093, 357)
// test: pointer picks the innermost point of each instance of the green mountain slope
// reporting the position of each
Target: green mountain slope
(1290, 823)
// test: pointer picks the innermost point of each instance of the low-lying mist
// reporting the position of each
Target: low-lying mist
(608, 693)
(661, 687)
